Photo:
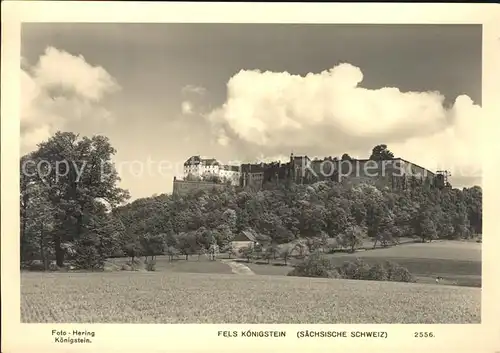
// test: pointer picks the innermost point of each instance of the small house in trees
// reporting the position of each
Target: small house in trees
(249, 238)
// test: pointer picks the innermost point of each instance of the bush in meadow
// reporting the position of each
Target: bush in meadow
(315, 266)
(397, 273)
(354, 270)
(378, 273)
(150, 265)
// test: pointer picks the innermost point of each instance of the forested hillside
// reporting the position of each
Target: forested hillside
(85, 219)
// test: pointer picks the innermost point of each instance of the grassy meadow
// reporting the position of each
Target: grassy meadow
(172, 297)
(457, 262)
(204, 291)
(194, 264)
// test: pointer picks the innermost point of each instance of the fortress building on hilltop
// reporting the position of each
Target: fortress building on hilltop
(200, 173)
(230, 173)
(198, 167)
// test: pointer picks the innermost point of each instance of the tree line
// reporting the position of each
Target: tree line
(84, 218)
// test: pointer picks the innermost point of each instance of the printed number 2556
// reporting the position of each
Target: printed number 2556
(423, 334)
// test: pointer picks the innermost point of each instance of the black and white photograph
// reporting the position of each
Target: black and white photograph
(250, 173)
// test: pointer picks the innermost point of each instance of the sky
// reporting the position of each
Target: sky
(251, 92)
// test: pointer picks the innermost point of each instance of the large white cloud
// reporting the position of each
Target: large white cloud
(330, 112)
(59, 88)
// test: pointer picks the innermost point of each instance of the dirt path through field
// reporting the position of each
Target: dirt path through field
(238, 268)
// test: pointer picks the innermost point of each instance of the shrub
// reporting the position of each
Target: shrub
(131, 265)
(390, 267)
(126, 267)
(402, 274)
(315, 266)
(302, 253)
(378, 273)
(35, 265)
(319, 266)
(354, 270)
(151, 265)
(54, 267)
(397, 273)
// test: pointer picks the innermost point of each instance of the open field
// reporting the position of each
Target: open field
(203, 291)
(449, 250)
(459, 273)
(459, 263)
(168, 297)
(180, 265)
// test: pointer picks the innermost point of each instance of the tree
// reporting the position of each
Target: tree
(130, 230)
(229, 249)
(87, 255)
(461, 222)
(318, 243)
(37, 225)
(269, 253)
(247, 252)
(171, 252)
(213, 251)
(258, 251)
(380, 225)
(153, 244)
(132, 246)
(26, 188)
(424, 225)
(312, 219)
(354, 236)
(187, 244)
(272, 224)
(204, 237)
(473, 198)
(286, 252)
(346, 157)
(171, 240)
(338, 219)
(78, 172)
(381, 152)
(102, 237)
(404, 211)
